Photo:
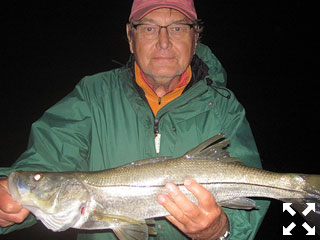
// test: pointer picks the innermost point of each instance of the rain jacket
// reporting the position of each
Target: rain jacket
(106, 122)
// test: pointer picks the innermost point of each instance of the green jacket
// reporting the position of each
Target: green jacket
(106, 122)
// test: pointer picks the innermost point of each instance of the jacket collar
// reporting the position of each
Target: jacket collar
(200, 91)
(198, 67)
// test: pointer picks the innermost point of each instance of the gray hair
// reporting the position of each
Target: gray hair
(198, 27)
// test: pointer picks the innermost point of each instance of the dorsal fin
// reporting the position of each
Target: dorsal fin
(202, 146)
(214, 148)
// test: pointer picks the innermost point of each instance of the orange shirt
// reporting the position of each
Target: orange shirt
(154, 101)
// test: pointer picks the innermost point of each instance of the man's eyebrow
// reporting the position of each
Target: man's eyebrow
(143, 20)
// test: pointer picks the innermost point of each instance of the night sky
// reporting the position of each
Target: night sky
(268, 49)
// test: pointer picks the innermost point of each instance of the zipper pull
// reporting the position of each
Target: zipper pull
(157, 135)
(157, 141)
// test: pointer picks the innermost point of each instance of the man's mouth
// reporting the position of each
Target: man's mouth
(163, 58)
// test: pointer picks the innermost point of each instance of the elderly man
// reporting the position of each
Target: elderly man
(169, 98)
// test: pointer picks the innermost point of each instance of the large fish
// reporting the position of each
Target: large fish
(123, 198)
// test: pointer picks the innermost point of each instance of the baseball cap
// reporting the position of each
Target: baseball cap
(140, 8)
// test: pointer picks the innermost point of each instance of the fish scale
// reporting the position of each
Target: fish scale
(122, 198)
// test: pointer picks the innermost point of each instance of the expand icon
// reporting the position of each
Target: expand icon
(310, 230)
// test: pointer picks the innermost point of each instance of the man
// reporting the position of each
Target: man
(165, 101)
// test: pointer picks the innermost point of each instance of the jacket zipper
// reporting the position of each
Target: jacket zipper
(157, 135)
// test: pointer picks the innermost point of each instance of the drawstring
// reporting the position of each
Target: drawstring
(117, 62)
(209, 83)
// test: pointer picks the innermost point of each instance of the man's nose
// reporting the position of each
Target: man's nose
(164, 38)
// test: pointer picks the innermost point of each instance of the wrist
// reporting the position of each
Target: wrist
(225, 231)
(220, 232)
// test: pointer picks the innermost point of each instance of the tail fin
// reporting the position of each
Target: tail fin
(312, 189)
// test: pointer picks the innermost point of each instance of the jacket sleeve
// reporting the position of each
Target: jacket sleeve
(59, 141)
(243, 224)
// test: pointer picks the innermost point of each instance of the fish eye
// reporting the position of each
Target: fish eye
(37, 177)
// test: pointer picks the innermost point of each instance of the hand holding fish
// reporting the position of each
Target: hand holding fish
(11, 212)
(205, 221)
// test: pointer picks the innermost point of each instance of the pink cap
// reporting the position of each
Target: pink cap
(140, 8)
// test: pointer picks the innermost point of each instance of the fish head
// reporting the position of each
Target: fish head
(50, 192)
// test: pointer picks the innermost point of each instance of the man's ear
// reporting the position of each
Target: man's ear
(129, 37)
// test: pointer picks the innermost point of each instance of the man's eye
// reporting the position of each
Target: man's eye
(179, 28)
(148, 29)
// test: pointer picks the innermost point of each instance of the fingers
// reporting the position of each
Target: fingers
(181, 205)
(10, 211)
(206, 201)
(178, 201)
(7, 219)
(5, 223)
(7, 204)
(186, 215)
(203, 218)
(177, 217)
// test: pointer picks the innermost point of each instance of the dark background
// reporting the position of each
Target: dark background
(268, 49)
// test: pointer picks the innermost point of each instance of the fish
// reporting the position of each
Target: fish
(124, 198)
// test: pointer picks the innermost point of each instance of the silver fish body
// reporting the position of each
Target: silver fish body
(127, 195)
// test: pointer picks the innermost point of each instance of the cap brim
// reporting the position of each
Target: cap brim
(144, 11)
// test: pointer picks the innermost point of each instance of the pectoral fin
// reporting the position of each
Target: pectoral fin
(240, 203)
(127, 228)
(99, 216)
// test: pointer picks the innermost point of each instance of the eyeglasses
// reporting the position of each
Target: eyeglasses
(151, 31)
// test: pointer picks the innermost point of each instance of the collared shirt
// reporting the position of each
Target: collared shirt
(155, 102)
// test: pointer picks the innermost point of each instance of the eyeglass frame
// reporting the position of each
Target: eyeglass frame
(191, 25)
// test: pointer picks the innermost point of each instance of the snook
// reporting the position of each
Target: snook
(123, 198)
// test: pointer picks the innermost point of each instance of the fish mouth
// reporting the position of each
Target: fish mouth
(12, 185)
(17, 187)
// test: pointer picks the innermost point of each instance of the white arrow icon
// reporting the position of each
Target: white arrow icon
(286, 206)
(311, 207)
(311, 231)
(287, 231)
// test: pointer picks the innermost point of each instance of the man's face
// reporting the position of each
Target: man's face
(162, 59)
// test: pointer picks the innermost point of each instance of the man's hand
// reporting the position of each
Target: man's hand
(11, 212)
(205, 221)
